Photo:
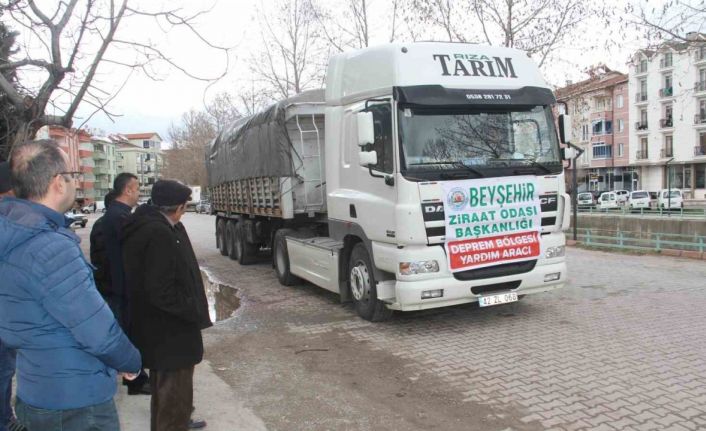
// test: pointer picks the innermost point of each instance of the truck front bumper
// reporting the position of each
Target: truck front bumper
(408, 294)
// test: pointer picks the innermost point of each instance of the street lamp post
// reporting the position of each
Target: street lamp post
(669, 187)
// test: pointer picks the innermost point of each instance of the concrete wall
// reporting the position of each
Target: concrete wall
(668, 225)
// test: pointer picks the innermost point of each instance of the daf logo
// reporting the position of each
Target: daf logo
(547, 200)
(434, 209)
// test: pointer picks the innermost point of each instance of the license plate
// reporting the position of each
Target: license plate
(503, 298)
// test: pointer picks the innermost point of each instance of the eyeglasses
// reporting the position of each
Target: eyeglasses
(74, 175)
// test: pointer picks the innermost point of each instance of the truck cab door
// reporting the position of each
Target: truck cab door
(367, 195)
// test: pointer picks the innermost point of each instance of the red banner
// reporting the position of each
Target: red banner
(477, 253)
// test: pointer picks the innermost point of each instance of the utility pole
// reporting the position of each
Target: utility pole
(669, 187)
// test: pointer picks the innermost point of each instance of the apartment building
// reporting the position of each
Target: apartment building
(600, 116)
(141, 154)
(668, 133)
(77, 145)
(105, 169)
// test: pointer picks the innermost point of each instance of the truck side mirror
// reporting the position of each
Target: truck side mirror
(569, 153)
(565, 128)
(366, 129)
(368, 158)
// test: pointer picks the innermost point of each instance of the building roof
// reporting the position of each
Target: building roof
(146, 135)
(596, 82)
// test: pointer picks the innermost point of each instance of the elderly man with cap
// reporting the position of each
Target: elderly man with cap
(7, 355)
(167, 302)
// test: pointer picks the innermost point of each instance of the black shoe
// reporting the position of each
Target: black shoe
(139, 390)
(195, 424)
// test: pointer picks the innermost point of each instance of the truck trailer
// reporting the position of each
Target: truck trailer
(424, 175)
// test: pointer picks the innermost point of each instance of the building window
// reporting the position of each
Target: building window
(668, 146)
(621, 125)
(667, 60)
(602, 151)
(585, 132)
(602, 127)
(700, 176)
(620, 150)
(619, 101)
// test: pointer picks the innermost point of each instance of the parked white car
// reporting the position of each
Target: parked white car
(586, 200)
(608, 200)
(670, 199)
(622, 196)
(639, 199)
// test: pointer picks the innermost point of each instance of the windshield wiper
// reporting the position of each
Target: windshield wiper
(458, 164)
(531, 162)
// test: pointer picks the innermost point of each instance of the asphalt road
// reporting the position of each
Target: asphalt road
(622, 347)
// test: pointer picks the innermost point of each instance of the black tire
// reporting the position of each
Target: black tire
(280, 258)
(247, 253)
(361, 282)
(221, 242)
(233, 250)
(83, 224)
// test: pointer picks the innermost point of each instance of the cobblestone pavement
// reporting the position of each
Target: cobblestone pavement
(622, 347)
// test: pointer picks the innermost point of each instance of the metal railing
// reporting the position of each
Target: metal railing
(665, 123)
(698, 213)
(641, 155)
(641, 241)
(666, 92)
(700, 86)
(666, 62)
(699, 150)
(666, 152)
(641, 125)
(641, 68)
(641, 97)
(699, 119)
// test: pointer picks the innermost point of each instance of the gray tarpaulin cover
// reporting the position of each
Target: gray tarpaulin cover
(256, 146)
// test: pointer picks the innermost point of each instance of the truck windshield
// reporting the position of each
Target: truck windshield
(473, 143)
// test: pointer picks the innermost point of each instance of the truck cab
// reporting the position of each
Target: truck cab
(440, 113)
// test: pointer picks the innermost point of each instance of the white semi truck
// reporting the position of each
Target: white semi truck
(425, 175)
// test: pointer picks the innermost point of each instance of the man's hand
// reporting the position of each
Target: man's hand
(129, 376)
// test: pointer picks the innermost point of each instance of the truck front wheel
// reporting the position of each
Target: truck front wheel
(280, 256)
(361, 282)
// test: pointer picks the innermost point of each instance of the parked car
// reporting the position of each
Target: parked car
(622, 195)
(94, 207)
(639, 199)
(608, 200)
(586, 200)
(203, 206)
(77, 219)
(671, 199)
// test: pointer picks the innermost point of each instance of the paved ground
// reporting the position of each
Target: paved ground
(621, 348)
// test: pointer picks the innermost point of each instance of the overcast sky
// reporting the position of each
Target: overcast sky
(148, 105)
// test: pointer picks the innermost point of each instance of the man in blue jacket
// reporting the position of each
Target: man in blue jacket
(69, 346)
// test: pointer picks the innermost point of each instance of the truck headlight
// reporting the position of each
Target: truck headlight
(555, 252)
(421, 267)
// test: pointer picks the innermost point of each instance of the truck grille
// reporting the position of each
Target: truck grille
(505, 269)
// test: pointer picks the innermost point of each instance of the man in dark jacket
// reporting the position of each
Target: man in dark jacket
(101, 271)
(168, 305)
(68, 344)
(127, 192)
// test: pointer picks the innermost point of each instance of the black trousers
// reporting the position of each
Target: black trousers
(172, 399)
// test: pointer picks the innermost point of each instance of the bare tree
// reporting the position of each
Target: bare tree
(291, 60)
(536, 26)
(671, 20)
(76, 36)
(347, 29)
(185, 160)
(223, 110)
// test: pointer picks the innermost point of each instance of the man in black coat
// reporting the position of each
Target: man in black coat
(168, 306)
(101, 272)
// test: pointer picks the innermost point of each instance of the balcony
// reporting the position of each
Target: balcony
(700, 150)
(641, 97)
(666, 153)
(700, 119)
(99, 155)
(640, 69)
(641, 155)
(102, 185)
(641, 126)
(665, 63)
(666, 123)
(666, 92)
(87, 162)
(699, 86)
(101, 170)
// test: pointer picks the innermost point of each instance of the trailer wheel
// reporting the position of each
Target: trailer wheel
(231, 228)
(280, 257)
(361, 282)
(246, 252)
(221, 242)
